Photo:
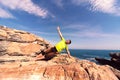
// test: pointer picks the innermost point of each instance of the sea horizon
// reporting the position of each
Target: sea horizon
(90, 54)
(91, 49)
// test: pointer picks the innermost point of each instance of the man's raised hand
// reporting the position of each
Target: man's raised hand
(58, 28)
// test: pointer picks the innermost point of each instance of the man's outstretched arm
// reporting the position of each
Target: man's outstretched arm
(68, 52)
(60, 34)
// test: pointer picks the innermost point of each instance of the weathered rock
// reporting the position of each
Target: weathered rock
(115, 55)
(17, 37)
(16, 42)
(116, 72)
(114, 62)
(95, 71)
(56, 69)
(23, 48)
(18, 49)
(108, 62)
(117, 61)
(3, 33)
(3, 46)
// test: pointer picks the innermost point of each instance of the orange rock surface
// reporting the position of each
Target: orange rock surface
(17, 53)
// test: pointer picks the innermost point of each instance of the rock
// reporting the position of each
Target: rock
(116, 72)
(96, 72)
(3, 33)
(19, 43)
(18, 50)
(115, 55)
(103, 61)
(56, 69)
(108, 62)
(117, 61)
(3, 46)
(114, 62)
(17, 37)
(23, 48)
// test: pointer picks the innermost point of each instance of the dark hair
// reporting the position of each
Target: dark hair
(70, 41)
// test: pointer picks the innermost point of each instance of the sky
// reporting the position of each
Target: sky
(90, 24)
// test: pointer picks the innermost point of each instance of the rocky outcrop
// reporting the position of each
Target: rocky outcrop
(58, 68)
(17, 53)
(116, 72)
(114, 62)
(16, 42)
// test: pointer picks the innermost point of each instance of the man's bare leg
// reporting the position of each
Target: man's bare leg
(40, 57)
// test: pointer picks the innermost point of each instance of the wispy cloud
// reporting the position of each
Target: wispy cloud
(105, 6)
(5, 14)
(24, 5)
(58, 3)
(78, 31)
(89, 31)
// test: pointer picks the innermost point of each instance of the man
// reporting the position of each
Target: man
(53, 51)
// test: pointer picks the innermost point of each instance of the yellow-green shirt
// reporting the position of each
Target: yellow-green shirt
(61, 45)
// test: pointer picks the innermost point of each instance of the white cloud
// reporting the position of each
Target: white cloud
(58, 3)
(105, 6)
(25, 5)
(5, 14)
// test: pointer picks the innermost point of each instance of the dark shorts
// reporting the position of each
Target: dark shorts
(52, 54)
(54, 49)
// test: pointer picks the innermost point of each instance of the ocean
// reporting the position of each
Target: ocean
(91, 54)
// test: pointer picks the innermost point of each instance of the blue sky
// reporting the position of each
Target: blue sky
(90, 24)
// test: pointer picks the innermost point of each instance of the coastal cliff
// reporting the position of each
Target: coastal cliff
(19, 48)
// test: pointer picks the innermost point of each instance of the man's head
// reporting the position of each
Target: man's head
(68, 41)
